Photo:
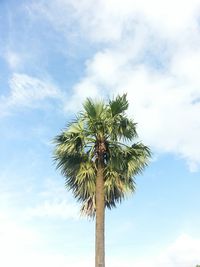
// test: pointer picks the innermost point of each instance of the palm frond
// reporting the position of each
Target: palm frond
(93, 109)
(88, 207)
(118, 105)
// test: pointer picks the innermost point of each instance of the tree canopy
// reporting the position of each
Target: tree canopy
(101, 127)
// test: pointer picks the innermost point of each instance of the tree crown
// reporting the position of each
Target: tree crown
(100, 130)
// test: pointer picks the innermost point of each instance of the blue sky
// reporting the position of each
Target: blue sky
(54, 54)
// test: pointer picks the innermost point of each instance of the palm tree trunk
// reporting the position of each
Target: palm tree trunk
(100, 217)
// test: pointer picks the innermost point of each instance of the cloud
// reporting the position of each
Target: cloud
(185, 252)
(80, 92)
(164, 103)
(27, 91)
(108, 20)
(15, 241)
(149, 50)
(55, 203)
(13, 59)
(25, 245)
(22, 246)
(55, 209)
(12, 233)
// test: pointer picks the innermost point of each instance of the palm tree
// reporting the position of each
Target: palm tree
(99, 164)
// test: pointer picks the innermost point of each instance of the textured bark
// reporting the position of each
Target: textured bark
(100, 218)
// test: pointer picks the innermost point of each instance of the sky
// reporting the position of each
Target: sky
(53, 55)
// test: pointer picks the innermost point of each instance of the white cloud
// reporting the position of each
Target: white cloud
(81, 91)
(15, 241)
(55, 203)
(22, 246)
(55, 209)
(12, 233)
(165, 104)
(149, 50)
(185, 252)
(27, 91)
(13, 59)
(106, 20)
